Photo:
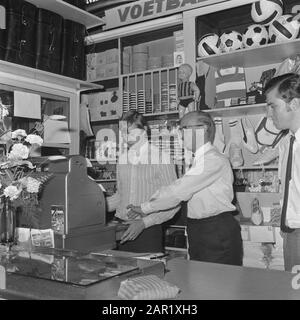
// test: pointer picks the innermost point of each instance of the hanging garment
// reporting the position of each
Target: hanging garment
(230, 83)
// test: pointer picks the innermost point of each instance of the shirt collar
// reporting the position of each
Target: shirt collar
(203, 149)
(297, 135)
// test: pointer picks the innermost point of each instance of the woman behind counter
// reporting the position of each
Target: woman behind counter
(137, 179)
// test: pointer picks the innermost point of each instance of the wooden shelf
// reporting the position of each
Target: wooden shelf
(112, 118)
(160, 113)
(148, 71)
(68, 11)
(116, 78)
(238, 111)
(105, 180)
(263, 55)
(56, 145)
(176, 249)
(19, 70)
(256, 167)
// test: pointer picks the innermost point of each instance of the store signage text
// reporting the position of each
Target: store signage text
(2, 18)
(149, 9)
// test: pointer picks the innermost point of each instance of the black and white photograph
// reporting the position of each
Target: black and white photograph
(150, 151)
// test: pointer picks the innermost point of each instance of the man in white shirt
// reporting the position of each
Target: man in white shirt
(214, 235)
(140, 172)
(283, 100)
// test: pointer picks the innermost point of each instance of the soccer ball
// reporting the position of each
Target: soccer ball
(266, 11)
(284, 29)
(208, 45)
(255, 35)
(231, 41)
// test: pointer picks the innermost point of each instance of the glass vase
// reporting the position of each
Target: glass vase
(7, 222)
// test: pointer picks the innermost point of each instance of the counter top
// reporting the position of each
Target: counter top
(203, 281)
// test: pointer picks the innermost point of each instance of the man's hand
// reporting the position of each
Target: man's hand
(135, 211)
(134, 229)
(297, 17)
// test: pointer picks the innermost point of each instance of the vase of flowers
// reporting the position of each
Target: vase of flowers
(19, 183)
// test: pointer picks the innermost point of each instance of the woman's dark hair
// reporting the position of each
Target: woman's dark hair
(133, 117)
(288, 86)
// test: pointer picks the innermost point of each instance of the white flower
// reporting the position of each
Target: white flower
(12, 192)
(34, 139)
(3, 111)
(18, 151)
(32, 185)
(18, 133)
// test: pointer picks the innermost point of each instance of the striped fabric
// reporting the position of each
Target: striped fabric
(136, 183)
(185, 90)
(146, 288)
(230, 83)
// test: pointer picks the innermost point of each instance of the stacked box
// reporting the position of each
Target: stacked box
(140, 58)
(112, 56)
(167, 61)
(100, 58)
(91, 67)
(178, 41)
(126, 60)
(112, 70)
(154, 62)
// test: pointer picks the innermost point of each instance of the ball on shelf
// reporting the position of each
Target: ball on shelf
(231, 41)
(208, 45)
(266, 11)
(284, 28)
(255, 35)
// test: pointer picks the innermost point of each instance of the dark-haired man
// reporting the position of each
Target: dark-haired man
(283, 100)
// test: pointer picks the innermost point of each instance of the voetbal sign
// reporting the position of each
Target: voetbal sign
(2, 18)
(149, 9)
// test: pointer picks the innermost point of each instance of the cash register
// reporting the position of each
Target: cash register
(73, 205)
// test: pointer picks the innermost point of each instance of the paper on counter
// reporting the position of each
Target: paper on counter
(27, 105)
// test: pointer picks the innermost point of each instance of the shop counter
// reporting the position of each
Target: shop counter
(200, 280)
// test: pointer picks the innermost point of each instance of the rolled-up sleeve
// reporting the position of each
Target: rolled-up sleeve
(184, 188)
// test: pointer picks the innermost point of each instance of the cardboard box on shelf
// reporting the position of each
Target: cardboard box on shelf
(261, 234)
(91, 60)
(112, 70)
(100, 58)
(91, 74)
(112, 56)
(100, 72)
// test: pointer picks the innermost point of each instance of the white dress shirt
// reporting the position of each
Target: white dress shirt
(293, 204)
(207, 187)
(137, 181)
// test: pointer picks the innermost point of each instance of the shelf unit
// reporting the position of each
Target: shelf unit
(68, 11)
(268, 54)
(33, 75)
(150, 92)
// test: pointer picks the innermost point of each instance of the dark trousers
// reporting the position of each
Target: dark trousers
(150, 240)
(215, 239)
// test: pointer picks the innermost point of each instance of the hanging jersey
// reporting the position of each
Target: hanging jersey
(185, 90)
(230, 83)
